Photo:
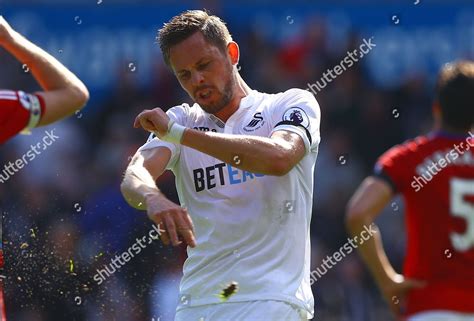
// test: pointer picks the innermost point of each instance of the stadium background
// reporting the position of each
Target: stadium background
(63, 213)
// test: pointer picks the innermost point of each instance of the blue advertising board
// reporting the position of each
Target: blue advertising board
(97, 41)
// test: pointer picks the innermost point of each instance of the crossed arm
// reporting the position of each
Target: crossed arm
(274, 155)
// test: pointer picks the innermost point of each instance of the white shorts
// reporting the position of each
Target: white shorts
(243, 311)
(441, 316)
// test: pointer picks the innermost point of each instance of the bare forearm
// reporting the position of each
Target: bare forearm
(372, 251)
(368, 201)
(137, 185)
(46, 69)
(261, 155)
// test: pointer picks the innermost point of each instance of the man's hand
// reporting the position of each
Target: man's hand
(174, 219)
(155, 121)
(395, 289)
(6, 31)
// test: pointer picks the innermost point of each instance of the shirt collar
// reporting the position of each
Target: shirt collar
(245, 102)
(248, 100)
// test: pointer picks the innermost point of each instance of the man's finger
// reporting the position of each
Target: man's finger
(165, 238)
(136, 122)
(188, 236)
(417, 283)
(171, 228)
(188, 220)
(152, 121)
(410, 284)
(185, 229)
(147, 123)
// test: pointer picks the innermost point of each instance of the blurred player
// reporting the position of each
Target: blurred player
(2, 276)
(435, 176)
(63, 92)
(244, 163)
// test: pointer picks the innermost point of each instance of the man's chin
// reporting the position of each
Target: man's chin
(212, 105)
(210, 109)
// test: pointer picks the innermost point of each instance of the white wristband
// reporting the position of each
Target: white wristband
(175, 133)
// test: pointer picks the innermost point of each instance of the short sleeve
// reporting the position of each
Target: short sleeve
(392, 168)
(179, 115)
(298, 111)
(16, 110)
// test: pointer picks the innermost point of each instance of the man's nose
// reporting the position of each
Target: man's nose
(197, 78)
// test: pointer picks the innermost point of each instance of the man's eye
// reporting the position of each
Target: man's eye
(202, 66)
(184, 76)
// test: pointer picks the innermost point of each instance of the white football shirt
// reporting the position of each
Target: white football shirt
(250, 228)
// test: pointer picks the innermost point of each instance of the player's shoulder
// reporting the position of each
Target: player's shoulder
(294, 97)
(409, 147)
(296, 94)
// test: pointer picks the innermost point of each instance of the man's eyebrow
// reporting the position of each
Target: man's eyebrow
(200, 61)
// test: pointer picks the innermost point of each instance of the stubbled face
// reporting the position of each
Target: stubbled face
(204, 72)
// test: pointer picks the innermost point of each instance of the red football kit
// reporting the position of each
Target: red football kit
(18, 111)
(435, 176)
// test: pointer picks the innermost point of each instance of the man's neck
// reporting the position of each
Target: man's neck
(454, 131)
(242, 90)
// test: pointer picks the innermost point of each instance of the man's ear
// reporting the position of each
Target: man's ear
(234, 52)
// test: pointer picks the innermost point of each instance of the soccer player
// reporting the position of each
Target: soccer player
(244, 163)
(435, 176)
(63, 92)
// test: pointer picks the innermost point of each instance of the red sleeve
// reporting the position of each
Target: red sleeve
(393, 167)
(15, 107)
